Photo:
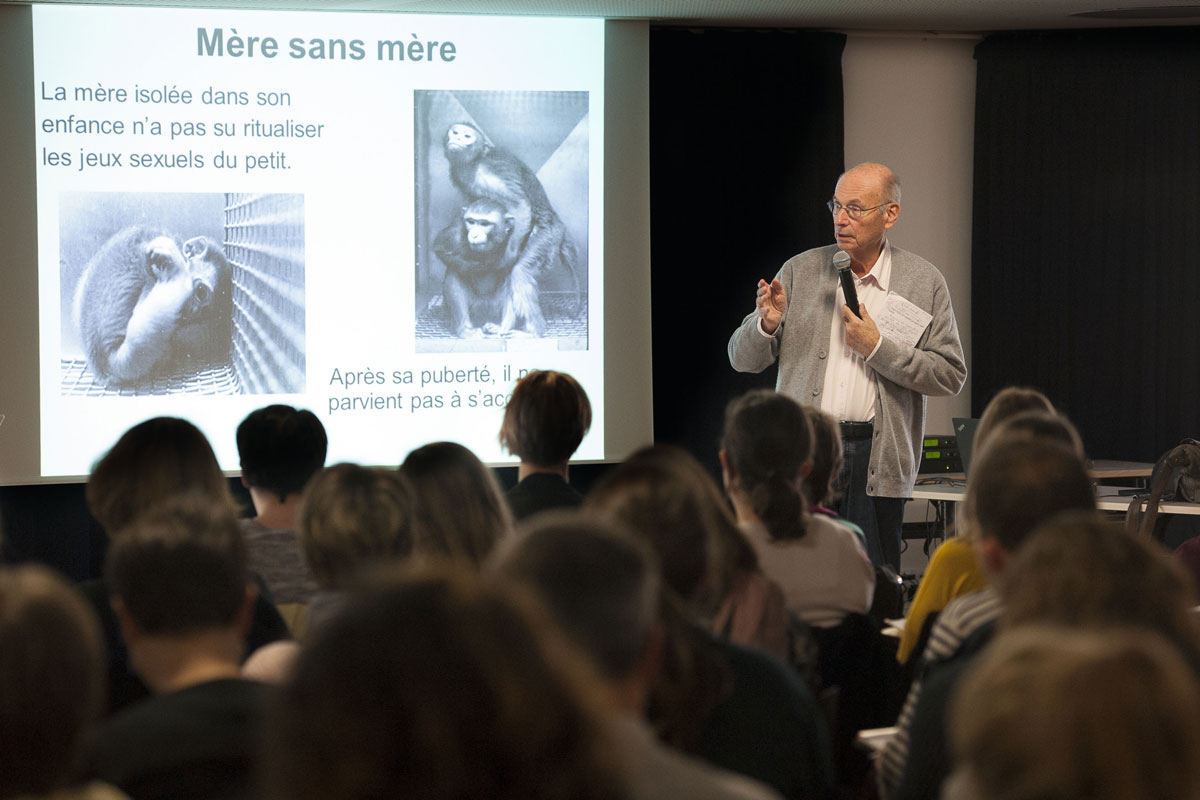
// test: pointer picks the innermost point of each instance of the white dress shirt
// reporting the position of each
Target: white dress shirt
(849, 390)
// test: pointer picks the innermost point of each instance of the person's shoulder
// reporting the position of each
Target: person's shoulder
(962, 617)
(910, 264)
(810, 259)
(956, 550)
(754, 669)
(831, 532)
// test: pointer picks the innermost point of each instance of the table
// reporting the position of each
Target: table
(1108, 498)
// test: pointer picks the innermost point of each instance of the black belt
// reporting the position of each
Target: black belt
(856, 430)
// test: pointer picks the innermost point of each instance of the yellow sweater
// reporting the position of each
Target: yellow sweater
(952, 572)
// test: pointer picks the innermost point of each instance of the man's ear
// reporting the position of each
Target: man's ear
(726, 470)
(245, 613)
(992, 554)
(130, 630)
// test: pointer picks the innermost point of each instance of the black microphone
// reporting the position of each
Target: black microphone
(842, 261)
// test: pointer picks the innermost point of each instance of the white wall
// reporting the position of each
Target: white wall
(910, 104)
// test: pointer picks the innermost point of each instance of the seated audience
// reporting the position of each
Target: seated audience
(1078, 571)
(953, 569)
(765, 455)
(1014, 486)
(749, 605)
(820, 485)
(1077, 715)
(441, 689)
(545, 420)
(51, 686)
(152, 462)
(352, 518)
(1082, 571)
(280, 449)
(734, 707)
(460, 512)
(184, 599)
(603, 590)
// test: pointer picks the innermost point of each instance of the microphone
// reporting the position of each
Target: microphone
(841, 261)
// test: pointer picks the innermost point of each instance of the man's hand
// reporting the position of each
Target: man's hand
(771, 302)
(861, 334)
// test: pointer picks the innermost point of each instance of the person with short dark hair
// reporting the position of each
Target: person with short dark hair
(152, 462)
(184, 599)
(544, 422)
(51, 686)
(436, 686)
(460, 512)
(280, 448)
(603, 588)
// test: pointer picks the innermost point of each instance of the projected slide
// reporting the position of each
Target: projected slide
(384, 218)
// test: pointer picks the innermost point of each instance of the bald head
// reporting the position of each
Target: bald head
(877, 175)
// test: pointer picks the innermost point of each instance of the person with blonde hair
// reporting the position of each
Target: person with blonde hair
(352, 517)
(1053, 712)
(460, 512)
(544, 422)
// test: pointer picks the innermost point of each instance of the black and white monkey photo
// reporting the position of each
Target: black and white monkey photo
(502, 245)
(144, 298)
(146, 293)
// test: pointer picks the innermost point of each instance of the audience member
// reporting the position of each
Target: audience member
(1077, 715)
(460, 512)
(765, 455)
(280, 449)
(152, 462)
(1014, 486)
(1007, 403)
(750, 607)
(351, 518)
(1082, 571)
(603, 590)
(184, 600)
(1078, 571)
(51, 686)
(820, 485)
(732, 706)
(953, 570)
(441, 689)
(545, 420)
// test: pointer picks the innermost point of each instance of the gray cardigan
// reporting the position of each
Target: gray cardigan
(905, 375)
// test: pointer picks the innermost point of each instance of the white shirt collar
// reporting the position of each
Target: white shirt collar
(881, 270)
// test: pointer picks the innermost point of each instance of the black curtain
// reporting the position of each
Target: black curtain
(1085, 263)
(745, 147)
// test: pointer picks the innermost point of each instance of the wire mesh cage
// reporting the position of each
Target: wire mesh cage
(264, 241)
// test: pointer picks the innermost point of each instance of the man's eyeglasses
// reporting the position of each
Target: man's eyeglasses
(854, 212)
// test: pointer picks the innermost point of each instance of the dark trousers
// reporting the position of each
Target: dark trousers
(881, 518)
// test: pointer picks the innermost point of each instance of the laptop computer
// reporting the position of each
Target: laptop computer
(964, 435)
